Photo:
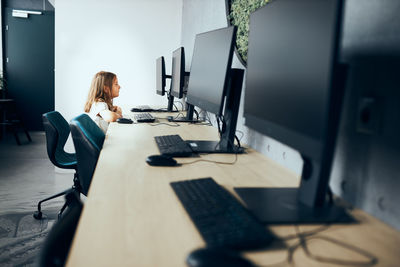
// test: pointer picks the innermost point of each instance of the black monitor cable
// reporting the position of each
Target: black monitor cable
(183, 108)
(306, 236)
(180, 114)
(197, 114)
(172, 124)
(242, 134)
(304, 240)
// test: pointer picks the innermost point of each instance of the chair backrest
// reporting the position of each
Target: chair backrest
(88, 141)
(57, 132)
(56, 246)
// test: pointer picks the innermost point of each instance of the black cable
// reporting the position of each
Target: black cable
(197, 113)
(179, 114)
(372, 260)
(238, 141)
(219, 130)
(240, 133)
(212, 161)
(164, 123)
(179, 103)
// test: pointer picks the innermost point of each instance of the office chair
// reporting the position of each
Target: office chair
(88, 141)
(57, 131)
(58, 241)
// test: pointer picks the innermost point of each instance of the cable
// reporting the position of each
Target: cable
(179, 103)
(212, 161)
(197, 113)
(240, 133)
(164, 123)
(372, 260)
(238, 141)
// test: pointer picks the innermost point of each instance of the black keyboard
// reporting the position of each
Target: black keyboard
(173, 145)
(220, 218)
(144, 117)
(143, 108)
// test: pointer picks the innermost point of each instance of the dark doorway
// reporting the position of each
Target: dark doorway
(29, 64)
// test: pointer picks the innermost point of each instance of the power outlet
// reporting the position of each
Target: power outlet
(368, 116)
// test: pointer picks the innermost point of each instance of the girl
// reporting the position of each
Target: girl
(99, 105)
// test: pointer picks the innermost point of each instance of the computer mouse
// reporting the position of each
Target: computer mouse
(216, 257)
(124, 120)
(161, 160)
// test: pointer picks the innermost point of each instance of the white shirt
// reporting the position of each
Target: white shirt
(94, 113)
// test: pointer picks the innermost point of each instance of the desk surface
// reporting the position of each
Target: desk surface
(133, 218)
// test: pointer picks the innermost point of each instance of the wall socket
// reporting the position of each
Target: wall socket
(368, 115)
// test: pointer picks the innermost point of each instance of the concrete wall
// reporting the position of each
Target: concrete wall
(365, 170)
(121, 36)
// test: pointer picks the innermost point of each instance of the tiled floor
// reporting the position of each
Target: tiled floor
(26, 176)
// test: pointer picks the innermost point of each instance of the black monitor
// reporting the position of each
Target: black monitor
(211, 63)
(178, 72)
(294, 87)
(214, 86)
(178, 78)
(161, 83)
(160, 76)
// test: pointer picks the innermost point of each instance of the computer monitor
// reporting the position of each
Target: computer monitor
(178, 78)
(214, 86)
(160, 76)
(294, 87)
(161, 83)
(209, 73)
(178, 72)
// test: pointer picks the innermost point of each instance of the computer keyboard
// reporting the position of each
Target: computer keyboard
(173, 145)
(144, 117)
(143, 108)
(220, 218)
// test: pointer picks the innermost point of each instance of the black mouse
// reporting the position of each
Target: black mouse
(216, 257)
(124, 120)
(161, 160)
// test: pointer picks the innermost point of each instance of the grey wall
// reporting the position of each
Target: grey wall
(365, 170)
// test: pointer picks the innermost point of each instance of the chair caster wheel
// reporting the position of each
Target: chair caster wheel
(37, 215)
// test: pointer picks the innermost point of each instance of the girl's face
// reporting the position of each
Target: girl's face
(115, 88)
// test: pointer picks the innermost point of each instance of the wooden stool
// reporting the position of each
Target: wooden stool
(9, 117)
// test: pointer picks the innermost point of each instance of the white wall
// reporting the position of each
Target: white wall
(121, 36)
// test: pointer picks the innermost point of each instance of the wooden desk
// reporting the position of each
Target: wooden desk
(133, 218)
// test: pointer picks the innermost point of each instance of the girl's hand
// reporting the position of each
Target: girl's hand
(117, 110)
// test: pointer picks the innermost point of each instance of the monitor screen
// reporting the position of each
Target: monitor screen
(293, 94)
(160, 76)
(178, 72)
(292, 49)
(211, 62)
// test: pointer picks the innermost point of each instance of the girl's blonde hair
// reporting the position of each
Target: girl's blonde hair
(100, 90)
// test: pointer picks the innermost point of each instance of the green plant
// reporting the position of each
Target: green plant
(2, 84)
(239, 15)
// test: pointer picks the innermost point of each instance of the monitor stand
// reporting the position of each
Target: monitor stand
(203, 146)
(281, 206)
(230, 112)
(188, 118)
